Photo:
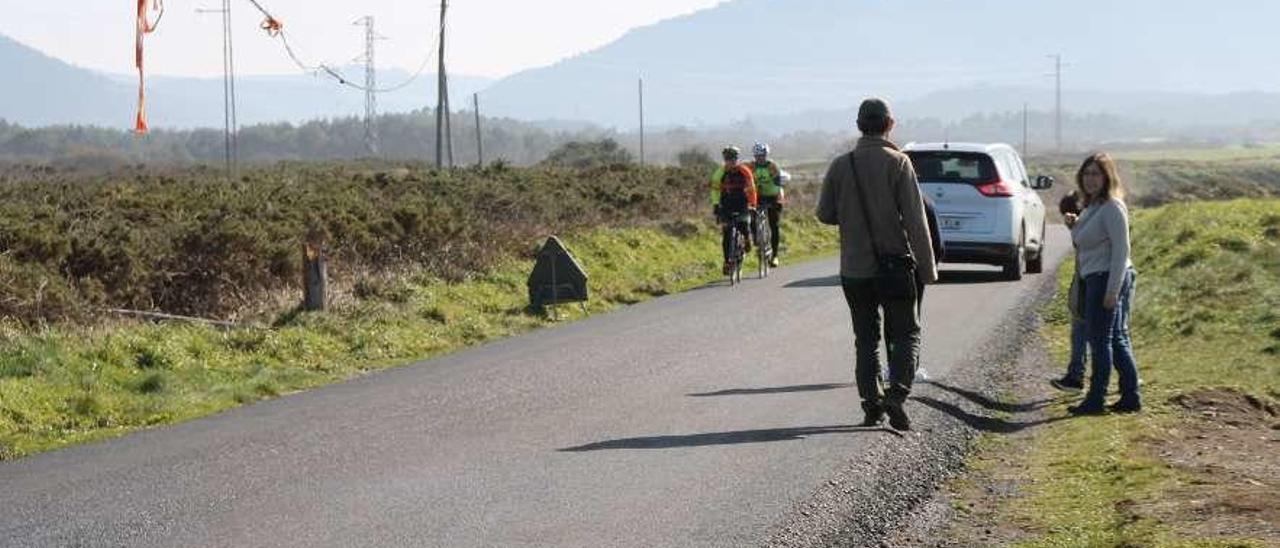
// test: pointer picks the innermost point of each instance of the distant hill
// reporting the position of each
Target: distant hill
(50, 91)
(1144, 111)
(772, 57)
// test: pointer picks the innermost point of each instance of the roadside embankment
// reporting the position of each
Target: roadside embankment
(1199, 466)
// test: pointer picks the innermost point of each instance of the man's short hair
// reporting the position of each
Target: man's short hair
(874, 117)
(873, 127)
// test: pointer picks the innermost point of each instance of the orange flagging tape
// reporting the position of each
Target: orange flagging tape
(145, 26)
(272, 26)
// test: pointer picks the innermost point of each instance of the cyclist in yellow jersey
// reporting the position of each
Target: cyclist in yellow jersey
(769, 180)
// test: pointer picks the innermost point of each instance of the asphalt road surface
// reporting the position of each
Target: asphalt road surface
(696, 419)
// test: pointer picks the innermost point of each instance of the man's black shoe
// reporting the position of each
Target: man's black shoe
(1080, 410)
(1068, 384)
(897, 417)
(1125, 407)
(872, 415)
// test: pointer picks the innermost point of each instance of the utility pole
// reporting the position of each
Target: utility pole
(1024, 130)
(229, 121)
(641, 122)
(370, 86)
(442, 95)
(475, 100)
(1057, 77)
(231, 84)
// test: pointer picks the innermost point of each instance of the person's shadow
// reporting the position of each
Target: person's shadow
(824, 281)
(988, 403)
(983, 423)
(773, 390)
(725, 438)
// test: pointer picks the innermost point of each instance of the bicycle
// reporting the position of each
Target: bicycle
(735, 253)
(763, 241)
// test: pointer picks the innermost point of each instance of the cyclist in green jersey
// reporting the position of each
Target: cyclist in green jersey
(769, 180)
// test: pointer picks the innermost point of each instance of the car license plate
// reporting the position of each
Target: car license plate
(952, 223)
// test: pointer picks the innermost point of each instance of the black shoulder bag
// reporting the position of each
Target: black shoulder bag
(895, 274)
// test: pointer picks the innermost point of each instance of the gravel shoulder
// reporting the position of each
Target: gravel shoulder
(891, 495)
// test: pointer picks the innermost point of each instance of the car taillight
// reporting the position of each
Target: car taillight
(996, 189)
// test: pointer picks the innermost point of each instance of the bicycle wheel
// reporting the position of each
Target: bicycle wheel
(739, 255)
(763, 240)
(728, 250)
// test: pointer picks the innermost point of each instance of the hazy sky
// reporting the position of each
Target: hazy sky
(487, 37)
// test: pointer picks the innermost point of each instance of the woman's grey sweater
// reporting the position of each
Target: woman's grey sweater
(1101, 235)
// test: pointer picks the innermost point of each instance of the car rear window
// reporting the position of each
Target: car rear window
(953, 167)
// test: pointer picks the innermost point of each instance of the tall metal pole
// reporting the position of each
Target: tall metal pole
(231, 81)
(226, 89)
(448, 124)
(642, 122)
(1057, 76)
(370, 85)
(475, 100)
(442, 90)
(1024, 130)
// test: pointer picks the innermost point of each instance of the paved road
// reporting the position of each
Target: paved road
(637, 428)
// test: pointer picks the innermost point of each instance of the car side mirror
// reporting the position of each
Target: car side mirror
(1042, 182)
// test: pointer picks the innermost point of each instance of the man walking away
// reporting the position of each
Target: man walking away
(872, 195)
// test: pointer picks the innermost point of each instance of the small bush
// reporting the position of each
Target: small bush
(696, 158)
(589, 154)
(151, 358)
(153, 384)
(31, 292)
(86, 405)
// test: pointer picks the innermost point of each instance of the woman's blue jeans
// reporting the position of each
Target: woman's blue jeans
(1109, 342)
(1079, 345)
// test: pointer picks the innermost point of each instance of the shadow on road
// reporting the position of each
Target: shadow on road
(970, 276)
(773, 390)
(981, 423)
(825, 281)
(723, 438)
(987, 402)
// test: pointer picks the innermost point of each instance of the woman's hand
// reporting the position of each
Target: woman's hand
(1109, 302)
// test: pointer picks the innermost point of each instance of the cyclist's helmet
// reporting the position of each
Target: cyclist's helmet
(761, 149)
(730, 153)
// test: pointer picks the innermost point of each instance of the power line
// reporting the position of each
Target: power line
(275, 28)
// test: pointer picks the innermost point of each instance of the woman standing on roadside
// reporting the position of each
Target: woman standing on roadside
(1101, 237)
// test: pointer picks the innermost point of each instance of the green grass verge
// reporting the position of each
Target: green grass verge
(66, 385)
(1206, 314)
(1226, 153)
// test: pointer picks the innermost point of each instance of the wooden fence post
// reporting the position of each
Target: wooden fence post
(315, 276)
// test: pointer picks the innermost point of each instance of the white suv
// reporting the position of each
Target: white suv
(988, 209)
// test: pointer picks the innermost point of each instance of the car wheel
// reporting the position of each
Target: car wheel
(1017, 259)
(1035, 263)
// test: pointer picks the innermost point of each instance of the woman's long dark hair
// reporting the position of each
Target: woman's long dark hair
(1112, 187)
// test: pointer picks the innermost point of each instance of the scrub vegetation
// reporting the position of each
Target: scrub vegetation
(425, 262)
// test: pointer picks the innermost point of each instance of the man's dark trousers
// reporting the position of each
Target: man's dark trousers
(901, 328)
